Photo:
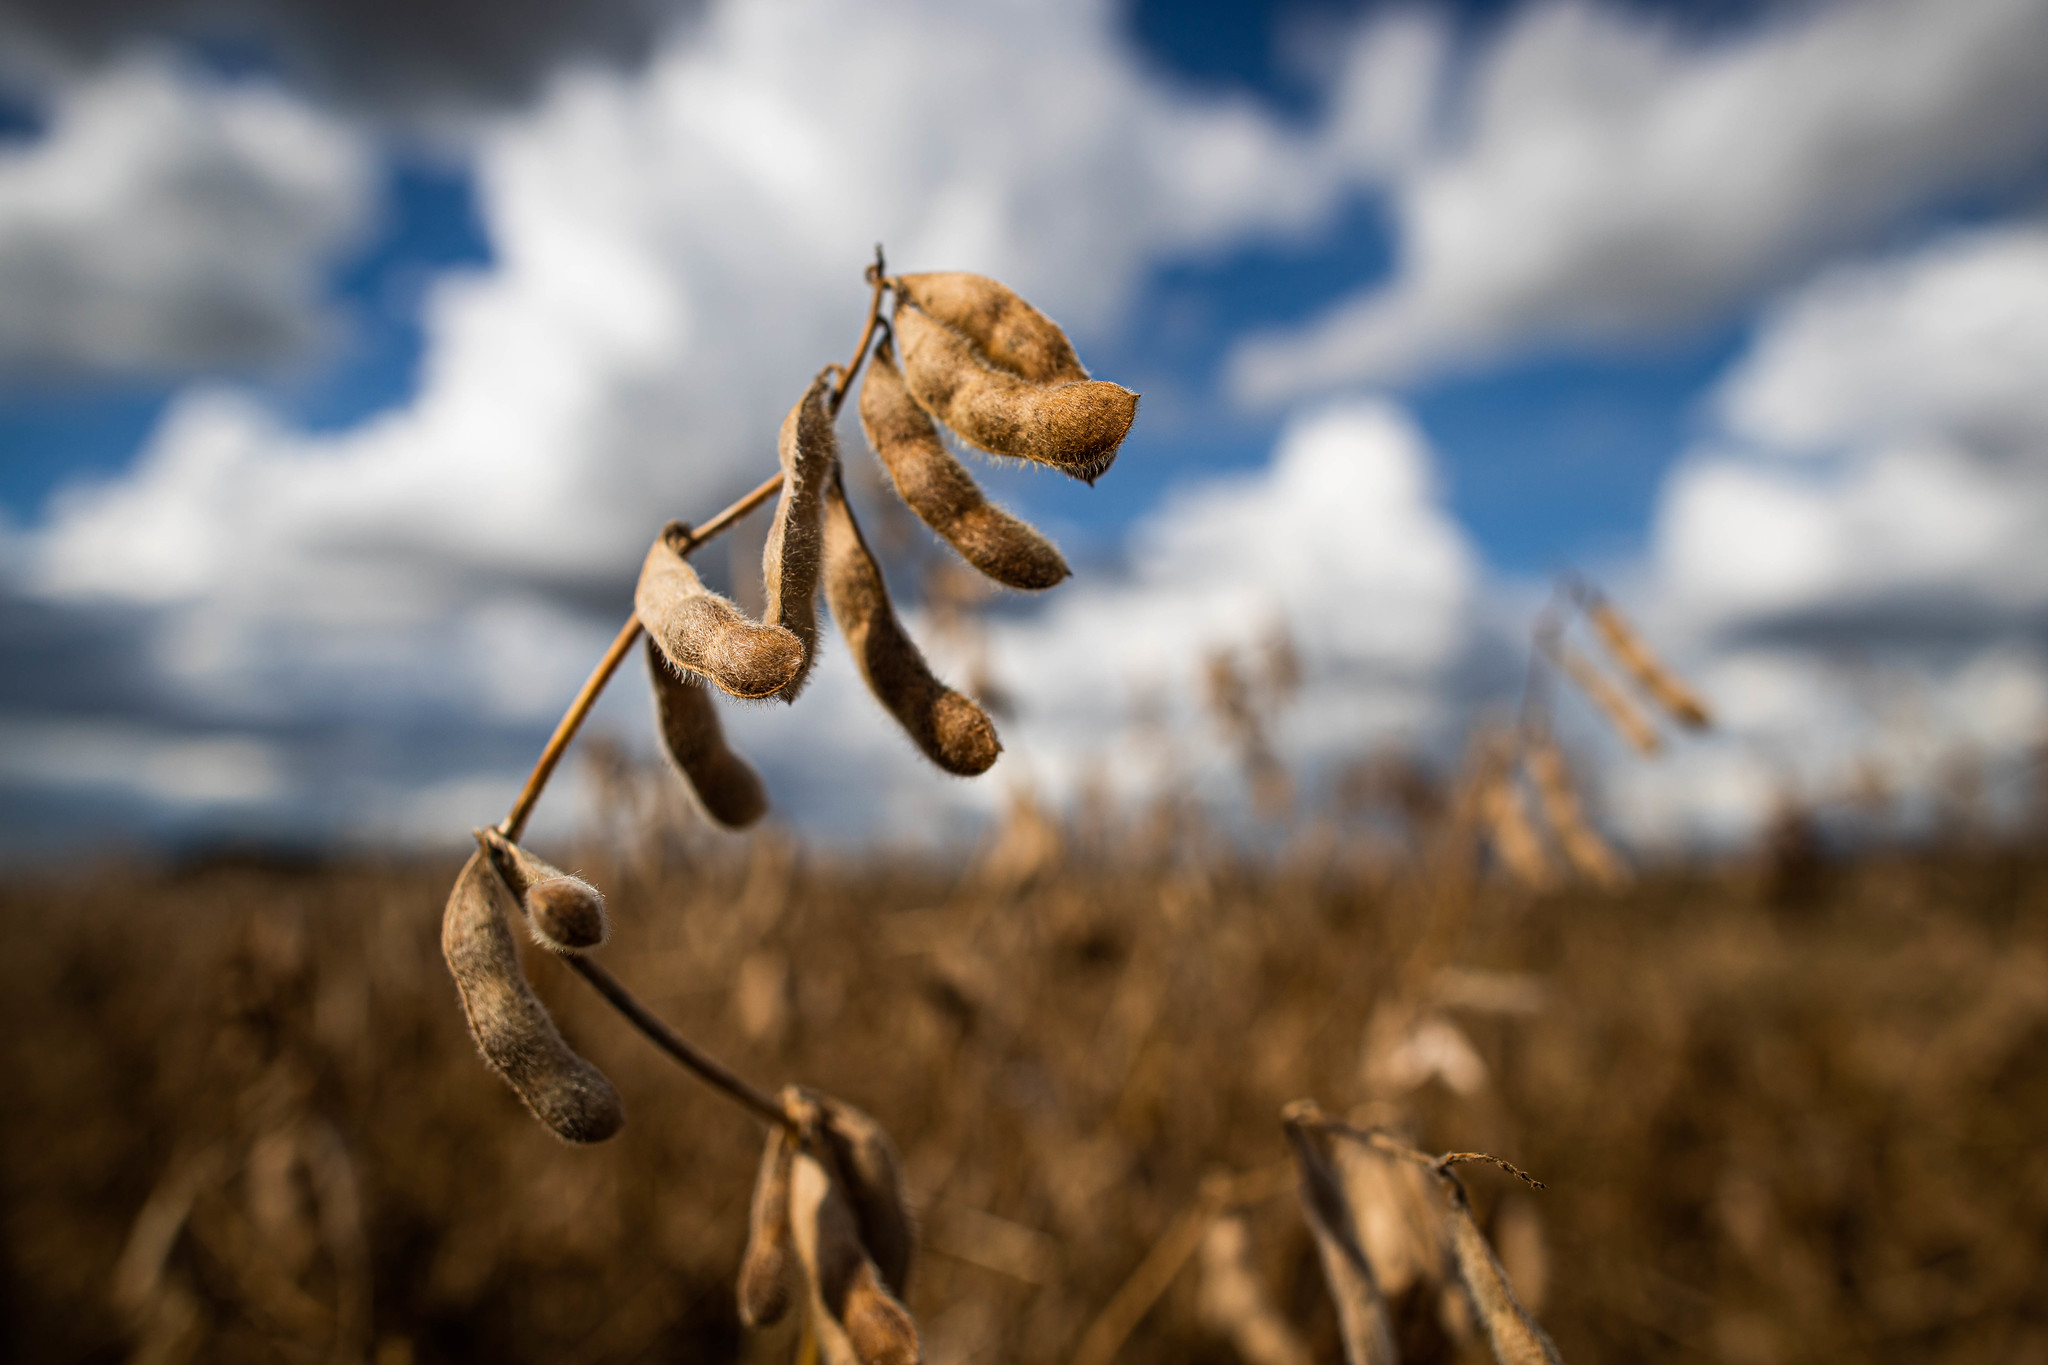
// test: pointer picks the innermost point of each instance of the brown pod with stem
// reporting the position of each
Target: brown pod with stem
(871, 1175)
(512, 1028)
(1594, 858)
(1516, 1336)
(789, 561)
(942, 493)
(701, 632)
(1628, 722)
(1074, 427)
(1633, 653)
(1361, 1310)
(857, 1320)
(951, 730)
(765, 1267)
(726, 786)
(564, 914)
(995, 318)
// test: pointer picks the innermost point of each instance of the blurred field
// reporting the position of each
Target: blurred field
(1787, 1110)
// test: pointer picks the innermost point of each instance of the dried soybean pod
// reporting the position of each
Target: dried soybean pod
(564, 914)
(1361, 1311)
(951, 730)
(1076, 428)
(1582, 844)
(990, 314)
(1635, 655)
(701, 632)
(1514, 837)
(1620, 713)
(1517, 1338)
(871, 1176)
(726, 785)
(511, 1027)
(935, 486)
(857, 1320)
(764, 1269)
(789, 561)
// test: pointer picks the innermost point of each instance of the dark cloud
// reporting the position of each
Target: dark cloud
(404, 55)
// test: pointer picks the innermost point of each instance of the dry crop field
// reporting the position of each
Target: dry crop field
(1783, 1110)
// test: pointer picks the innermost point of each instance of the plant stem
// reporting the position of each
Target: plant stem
(707, 1069)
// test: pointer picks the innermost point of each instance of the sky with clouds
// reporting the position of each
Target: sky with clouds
(350, 362)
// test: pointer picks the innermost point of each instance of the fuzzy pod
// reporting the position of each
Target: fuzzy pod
(1633, 653)
(951, 730)
(701, 632)
(1361, 1309)
(726, 785)
(943, 494)
(871, 1175)
(1621, 713)
(564, 914)
(858, 1321)
(1594, 858)
(995, 318)
(1516, 1336)
(1514, 835)
(789, 561)
(511, 1027)
(765, 1267)
(1075, 427)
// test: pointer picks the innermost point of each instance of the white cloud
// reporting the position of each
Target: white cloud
(1607, 179)
(168, 224)
(1343, 538)
(1857, 562)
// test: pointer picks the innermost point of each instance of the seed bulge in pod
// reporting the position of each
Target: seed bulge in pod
(701, 632)
(1008, 330)
(564, 914)
(511, 1027)
(871, 1175)
(944, 495)
(789, 561)
(951, 730)
(1076, 427)
(725, 784)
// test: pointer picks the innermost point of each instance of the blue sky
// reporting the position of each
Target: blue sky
(344, 355)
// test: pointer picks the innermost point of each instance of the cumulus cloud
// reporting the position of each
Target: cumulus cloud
(1342, 540)
(1606, 179)
(397, 54)
(1855, 560)
(169, 225)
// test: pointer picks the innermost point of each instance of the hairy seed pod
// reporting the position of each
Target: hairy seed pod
(951, 730)
(858, 1321)
(1620, 712)
(511, 1027)
(725, 784)
(1234, 1301)
(1076, 428)
(564, 914)
(942, 493)
(1516, 1336)
(764, 1269)
(1634, 654)
(789, 561)
(1008, 330)
(1582, 844)
(1361, 1310)
(871, 1176)
(701, 632)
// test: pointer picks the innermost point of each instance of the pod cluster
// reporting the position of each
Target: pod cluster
(829, 1220)
(963, 352)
